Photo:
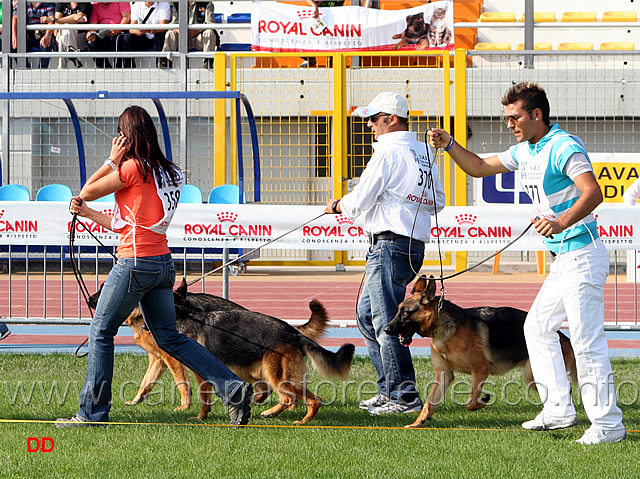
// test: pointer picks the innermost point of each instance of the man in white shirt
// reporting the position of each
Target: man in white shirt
(397, 193)
(630, 196)
(148, 13)
(556, 172)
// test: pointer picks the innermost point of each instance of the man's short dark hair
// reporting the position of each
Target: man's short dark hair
(402, 121)
(532, 97)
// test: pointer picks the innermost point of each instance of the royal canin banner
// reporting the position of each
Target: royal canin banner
(458, 228)
(281, 27)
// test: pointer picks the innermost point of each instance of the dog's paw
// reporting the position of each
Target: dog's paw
(182, 407)
(415, 425)
(133, 402)
(484, 400)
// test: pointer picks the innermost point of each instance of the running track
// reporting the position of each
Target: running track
(287, 299)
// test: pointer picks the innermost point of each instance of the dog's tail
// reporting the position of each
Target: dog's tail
(318, 321)
(569, 358)
(327, 363)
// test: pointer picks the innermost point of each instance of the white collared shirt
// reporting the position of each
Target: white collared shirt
(395, 186)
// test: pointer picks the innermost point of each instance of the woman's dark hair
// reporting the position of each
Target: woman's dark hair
(532, 97)
(137, 126)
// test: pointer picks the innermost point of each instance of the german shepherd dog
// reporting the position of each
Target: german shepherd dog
(414, 34)
(258, 348)
(477, 341)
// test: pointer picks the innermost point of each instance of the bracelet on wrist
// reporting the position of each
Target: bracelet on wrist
(334, 206)
(451, 142)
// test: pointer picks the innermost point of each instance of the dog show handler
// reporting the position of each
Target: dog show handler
(395, 197)
(147, 190)
(557, 174)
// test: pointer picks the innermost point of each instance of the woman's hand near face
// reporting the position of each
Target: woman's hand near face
(119, 146)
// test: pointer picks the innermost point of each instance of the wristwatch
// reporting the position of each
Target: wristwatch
(109, 162)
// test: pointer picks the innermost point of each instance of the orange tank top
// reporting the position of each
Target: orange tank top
(143, 212)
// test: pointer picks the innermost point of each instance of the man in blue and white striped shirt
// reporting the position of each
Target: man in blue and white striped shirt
(556, 172)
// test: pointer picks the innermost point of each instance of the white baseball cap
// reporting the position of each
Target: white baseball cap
(385, 102)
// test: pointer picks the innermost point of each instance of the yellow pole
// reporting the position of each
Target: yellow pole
(220, 120)
(339, 135)
(460, 134)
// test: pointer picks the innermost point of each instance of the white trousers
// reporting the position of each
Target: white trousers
(574, 290)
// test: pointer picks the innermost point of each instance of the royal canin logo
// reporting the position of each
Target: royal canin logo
(223, 228)
(466, 219)
(307, 13)
(17, 226)
(466, 229)
(614, 231)
(344, 220)
(227, 216)
(83, 226)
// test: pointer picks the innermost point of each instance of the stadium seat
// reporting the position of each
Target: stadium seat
(235, 47)
(579, 17)
(492, 46)
(227, 195)
(617, 46)
(536, 46)
(498, 17)
(239, 18)
(191, 194)
(13, 192)
(54, 192)
(575, 46)
(110, 198)
(539, 17)
(619, 16)
(218, 17)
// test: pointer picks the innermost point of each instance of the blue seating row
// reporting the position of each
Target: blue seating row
(224, 194)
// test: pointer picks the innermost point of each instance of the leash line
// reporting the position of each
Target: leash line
(254, 250)
(283, 426)
(442, 279)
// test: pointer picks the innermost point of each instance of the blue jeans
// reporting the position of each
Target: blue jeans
(147, 282)
(388, 273)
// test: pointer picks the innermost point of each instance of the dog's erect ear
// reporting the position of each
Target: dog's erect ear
(181, 291)
(420, 285)
(430, 292)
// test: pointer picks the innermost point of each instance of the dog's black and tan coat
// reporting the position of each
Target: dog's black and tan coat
(478, 341)
(260, 349)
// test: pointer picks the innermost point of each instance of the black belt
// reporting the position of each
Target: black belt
(387, 235)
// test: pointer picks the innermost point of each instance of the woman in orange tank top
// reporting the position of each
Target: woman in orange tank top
(147, 189)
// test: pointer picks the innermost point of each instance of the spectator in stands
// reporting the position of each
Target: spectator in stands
(632, 193)
(37, 40)
(556, 172)
(148, 13)
(106, 40)
(71, 40)
(311, 61)
(206, 39)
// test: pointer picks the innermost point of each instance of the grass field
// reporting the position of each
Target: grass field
(341, 442)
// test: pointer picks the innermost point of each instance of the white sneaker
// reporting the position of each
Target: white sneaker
(594, 435)
(394, 408)
(544, 422)
(376, 401)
